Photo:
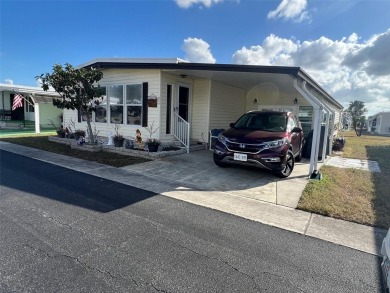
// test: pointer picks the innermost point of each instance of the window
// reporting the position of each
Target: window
(115, 98)
(29, 105)
(101, 110)
(134, 104)
(123, 104)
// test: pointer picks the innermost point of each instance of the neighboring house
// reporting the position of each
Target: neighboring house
(37, 106)
(186, 100)
(379, 123)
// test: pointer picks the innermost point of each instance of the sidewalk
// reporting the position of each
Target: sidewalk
(355, 236)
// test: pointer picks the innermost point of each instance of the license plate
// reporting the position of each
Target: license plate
(240, 157)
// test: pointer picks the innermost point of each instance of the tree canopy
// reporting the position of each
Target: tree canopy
(78, 89)
(357, 110)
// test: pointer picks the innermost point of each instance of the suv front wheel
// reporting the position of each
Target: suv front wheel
(289, 166)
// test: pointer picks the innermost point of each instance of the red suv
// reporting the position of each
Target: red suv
(270, 140)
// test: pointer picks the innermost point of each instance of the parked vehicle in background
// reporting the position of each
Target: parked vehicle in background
(266, 139)
(385, 251)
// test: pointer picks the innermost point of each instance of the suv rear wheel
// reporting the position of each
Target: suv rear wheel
(290, 161)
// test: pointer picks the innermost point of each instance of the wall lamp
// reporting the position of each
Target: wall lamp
(255, 101)
(183, 75)
(295, 101)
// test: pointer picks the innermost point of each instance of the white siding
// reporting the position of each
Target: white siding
(49, 112)
(200, 110)
(124, 77)
(269, 94)
(385, 124)
(227, 104)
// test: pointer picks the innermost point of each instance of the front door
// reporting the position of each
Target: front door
(183, 102)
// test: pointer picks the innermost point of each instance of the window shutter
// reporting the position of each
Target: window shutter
(145, 104)
(78, 115)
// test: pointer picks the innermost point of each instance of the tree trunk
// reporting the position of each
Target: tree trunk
(89, 128)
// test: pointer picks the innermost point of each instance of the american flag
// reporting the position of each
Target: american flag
(18, 101)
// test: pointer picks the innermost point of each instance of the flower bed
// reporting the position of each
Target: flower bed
(165, 150)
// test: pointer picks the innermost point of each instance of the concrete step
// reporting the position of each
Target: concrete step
(198, 147)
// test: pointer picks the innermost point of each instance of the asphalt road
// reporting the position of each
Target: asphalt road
(65, 231)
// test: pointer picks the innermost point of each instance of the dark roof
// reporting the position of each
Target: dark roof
(177, 64)
(197, 66)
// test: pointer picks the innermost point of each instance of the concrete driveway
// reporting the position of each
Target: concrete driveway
(198, 170)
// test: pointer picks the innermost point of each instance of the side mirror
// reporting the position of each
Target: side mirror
(296, 129)
(232, 125)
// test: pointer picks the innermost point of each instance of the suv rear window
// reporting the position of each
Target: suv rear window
(266, 121)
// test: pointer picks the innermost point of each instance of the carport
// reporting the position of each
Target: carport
(37, 104)
(217, 93)
(276, 88)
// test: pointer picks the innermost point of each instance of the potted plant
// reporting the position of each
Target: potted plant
(118, 138)
(79, 133)
(153, 144)
(61, 132)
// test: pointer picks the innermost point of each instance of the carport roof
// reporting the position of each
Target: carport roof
(245, 76)
(39, 95)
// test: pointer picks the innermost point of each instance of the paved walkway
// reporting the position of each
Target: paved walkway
(367, 165)
(355, 236)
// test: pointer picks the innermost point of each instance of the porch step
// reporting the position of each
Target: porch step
(194, 145)
(11, 125)
(197, 147)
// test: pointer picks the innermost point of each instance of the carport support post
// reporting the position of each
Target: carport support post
(326, 142)
(36, 113)
(331, 132)
(316, 141)
(313, 172)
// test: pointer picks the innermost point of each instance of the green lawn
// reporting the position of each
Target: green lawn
(42, 142)
(350, 194)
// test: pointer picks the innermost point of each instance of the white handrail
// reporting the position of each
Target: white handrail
(181, 130)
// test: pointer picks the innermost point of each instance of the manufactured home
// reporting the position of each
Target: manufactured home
(379, 123)
(186, 100)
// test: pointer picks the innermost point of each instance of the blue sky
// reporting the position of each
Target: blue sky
(343, 45)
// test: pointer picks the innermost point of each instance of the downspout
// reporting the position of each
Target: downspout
(316, 127)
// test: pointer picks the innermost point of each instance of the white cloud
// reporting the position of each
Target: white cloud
(291, 10)
(197, 50)
(188, 3)
(373, 57)
(9, 81)
(348, 69)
